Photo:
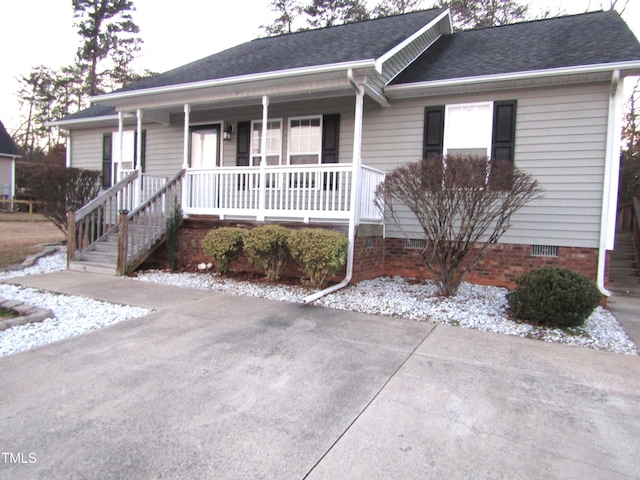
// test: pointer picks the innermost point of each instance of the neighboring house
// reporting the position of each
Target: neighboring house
(302, 127)
(8, 154)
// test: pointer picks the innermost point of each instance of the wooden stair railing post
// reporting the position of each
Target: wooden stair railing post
(71, 236)
(123, 223)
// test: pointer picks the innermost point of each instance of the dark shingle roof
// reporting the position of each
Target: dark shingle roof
(92, 112)
(586, 39)
(7, 145)
(344, 43)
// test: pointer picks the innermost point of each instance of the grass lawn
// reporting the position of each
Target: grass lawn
(20, 234)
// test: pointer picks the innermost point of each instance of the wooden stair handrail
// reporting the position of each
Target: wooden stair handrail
(105, 196)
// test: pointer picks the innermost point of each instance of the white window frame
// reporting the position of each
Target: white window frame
(258, 154)
(128, 153)
(483, 135)
(289, 136)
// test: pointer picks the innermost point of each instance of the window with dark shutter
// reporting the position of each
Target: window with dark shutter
(242, 151)
(106, 160)
(143, 151)
(433, 140)
(330, 141)
(503, 144)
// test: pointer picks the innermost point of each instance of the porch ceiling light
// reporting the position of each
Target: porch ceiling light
(228, 130)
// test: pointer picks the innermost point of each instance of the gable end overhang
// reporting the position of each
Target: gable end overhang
(394, 61)
(553, 76)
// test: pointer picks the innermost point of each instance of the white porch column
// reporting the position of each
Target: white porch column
(185, 157)
(114, 172)
(139, 196)
(262, 208)
(68, 149)
(186, 184)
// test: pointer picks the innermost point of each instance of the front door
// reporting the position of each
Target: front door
(205, 146)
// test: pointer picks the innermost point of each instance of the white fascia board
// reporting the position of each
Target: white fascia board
(407, 41)
(112, 98)
(84, 121)
(604, 67)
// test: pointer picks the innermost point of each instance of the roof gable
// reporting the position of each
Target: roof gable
(7, 145)
(586, 39)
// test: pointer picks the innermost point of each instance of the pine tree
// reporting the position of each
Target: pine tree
(288, 11)
(109, 33)
(327, 13)
(484, 13)
(396, 7)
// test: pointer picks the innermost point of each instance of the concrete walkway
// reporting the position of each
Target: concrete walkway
(221, 386)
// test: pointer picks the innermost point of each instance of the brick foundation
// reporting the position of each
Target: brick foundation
(501, 265)
(375, 256)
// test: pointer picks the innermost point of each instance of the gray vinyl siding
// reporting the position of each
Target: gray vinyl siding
(560, 140)
(86, 148)
(164, 150)
(6, 174)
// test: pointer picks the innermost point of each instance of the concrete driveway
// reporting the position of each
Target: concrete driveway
(218, 386)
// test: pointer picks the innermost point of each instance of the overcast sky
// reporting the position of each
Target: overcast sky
(41, 32)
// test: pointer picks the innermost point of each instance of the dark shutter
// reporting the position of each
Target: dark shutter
(242, 152)
(433, 139)
(503, 144)
(143, 150)
(330, 138)
(106, 160)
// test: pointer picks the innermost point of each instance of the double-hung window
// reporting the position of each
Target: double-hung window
(467, 129)
(305, 140)
(484, 130)
(274, 142)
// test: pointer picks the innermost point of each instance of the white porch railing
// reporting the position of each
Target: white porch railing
(293, 191)
(150, 184)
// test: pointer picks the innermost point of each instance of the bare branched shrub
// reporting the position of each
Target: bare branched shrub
(60, 189)
(463, 205)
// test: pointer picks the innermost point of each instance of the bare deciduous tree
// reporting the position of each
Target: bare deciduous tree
(463, 206)
(59, 189)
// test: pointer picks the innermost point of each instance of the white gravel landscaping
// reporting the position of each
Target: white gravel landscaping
(74, 314)
(475, 306)
(478, 307)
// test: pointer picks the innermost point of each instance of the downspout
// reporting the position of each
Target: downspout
(610, 182)
(355, 192)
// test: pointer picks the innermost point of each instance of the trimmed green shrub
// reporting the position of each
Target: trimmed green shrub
(224, 246)
(266, 248)
(554, 297)
(319, 253)
(174, 220)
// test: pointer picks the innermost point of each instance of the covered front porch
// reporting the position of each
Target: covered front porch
(279, 156)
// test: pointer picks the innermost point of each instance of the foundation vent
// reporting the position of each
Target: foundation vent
(416, 243)
(544, 250)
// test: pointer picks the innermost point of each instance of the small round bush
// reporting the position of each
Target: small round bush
(554, 297)
(224, 246)
(266, 248)
(320, 253)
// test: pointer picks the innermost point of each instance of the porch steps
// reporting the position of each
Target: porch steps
(624, 273)
(102, 256)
